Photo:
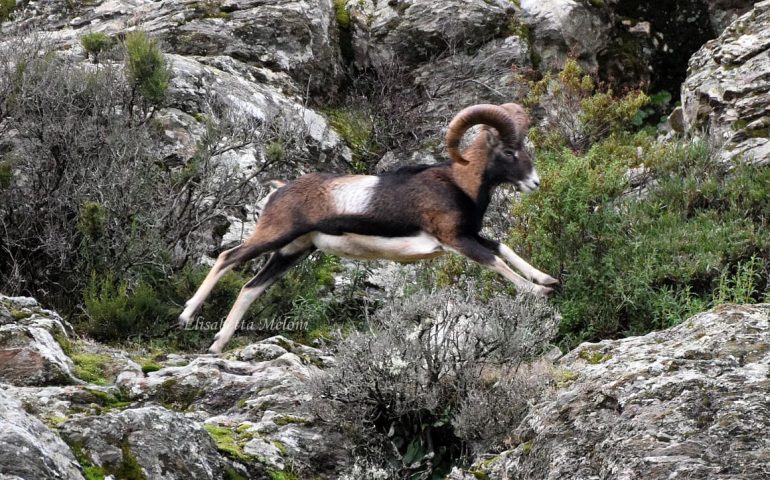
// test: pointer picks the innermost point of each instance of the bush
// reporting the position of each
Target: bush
(577, 115)
(630, 265)
(6, 9)
(427, 365)
(146, 69)
(83, 190)
(95, 43)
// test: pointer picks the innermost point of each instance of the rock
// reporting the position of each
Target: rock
(565, 27)
(726, 91)
(197, 81)
(260, 391)
(29, 351)
(725, 12)
(294, 37)
(410, 32)
(28, 449)
(159, 443)
(687, 402)
(487, 76)
(676, 120)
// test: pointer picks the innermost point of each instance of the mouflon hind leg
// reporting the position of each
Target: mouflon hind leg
(274, 269)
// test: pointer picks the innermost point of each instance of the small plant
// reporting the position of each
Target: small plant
(342, 14)
(117, 310)
(91, 367)
(355, 127)
(95, 43)
(146, 68)
(577, 114)
(229, 441)
(6, 9)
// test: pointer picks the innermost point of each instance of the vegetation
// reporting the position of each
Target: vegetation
(95, 43)
(6, 9)
(146, 69)
(229, 441)
(436, 380)
(629, 265)
(355, 127)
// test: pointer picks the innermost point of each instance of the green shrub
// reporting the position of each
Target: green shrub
(6, 8)
(95, 43)
(629, 265)
(578, 113)
(146, 68)
(356, 128)
(96, 196)
(118, 310)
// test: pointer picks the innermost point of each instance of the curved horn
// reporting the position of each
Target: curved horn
(487, 114)
(520, 118)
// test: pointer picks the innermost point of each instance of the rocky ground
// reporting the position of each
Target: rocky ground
(688, 402)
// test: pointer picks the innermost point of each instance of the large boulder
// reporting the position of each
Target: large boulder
(727, 91)
(152, 441)
(259, 395)
(28, 449)
(298, 38)
(562, 28)
(30, 353)
(409, 32)
(687, 402)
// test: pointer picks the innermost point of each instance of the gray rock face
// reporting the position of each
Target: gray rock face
(487, 76)
(688, 402)
(28, 450)
(409, 32)
(162, 443)
(29, 353)
(727, 88)
(295, 37)
(261, 391)
(725, 12)
(565, 27)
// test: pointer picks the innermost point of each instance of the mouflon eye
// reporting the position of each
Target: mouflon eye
(510, 153)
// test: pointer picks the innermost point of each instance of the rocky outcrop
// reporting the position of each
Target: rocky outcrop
(198, 416)
(297, 38)
(259, 393)
(724, 12)
(152, 440)
(28, 449)
(562, 28)
(727, 91)
(409, 32)
(688, 402)
(29, 351)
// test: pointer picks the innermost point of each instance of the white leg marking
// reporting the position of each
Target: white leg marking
(192, 305)
(521, 283)
(351, 194)
(241, 305)
(528, 270)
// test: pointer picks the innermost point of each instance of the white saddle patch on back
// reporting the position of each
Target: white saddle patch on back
(351, 194)
(368, 247)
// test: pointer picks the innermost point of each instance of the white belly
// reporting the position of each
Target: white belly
(366, 247)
